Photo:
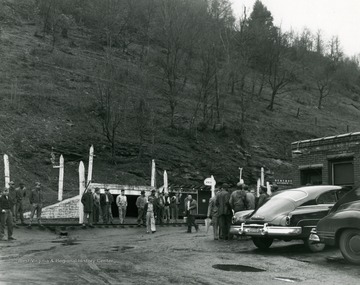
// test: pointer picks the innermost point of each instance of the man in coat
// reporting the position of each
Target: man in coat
(36, 201)
(140, 204)
(87, 200)
(213, 214)
(191, 211)
(19, 207)
(238, 199)
(106, 200)
(12, 199)
(97, 207)
(5, 214)
(224, 211)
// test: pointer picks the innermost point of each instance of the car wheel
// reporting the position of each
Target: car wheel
(350, 245)
(262, 243)
(312, 246)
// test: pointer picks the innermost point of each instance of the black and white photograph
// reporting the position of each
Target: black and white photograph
(207, 142)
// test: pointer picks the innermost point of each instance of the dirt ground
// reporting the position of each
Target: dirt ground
(169, 256)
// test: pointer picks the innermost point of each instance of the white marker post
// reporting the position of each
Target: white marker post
(166, 182)
(7, 170)
(268, 188)
(210, 181)
(153, 173)
(90, 166)
(258, 188)
(262, 177)
(81, 190)
(241, 181)
(61, 178)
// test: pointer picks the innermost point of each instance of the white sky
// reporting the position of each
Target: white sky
(332, 17)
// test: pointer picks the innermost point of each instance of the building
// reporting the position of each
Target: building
(328, 160)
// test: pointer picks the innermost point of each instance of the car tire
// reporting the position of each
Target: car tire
(262, 243)
(312, 246)
(349, 244)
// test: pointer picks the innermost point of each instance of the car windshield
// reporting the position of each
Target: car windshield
(294, 195)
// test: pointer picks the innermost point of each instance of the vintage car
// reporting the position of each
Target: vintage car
(341, 227)
(288, 215)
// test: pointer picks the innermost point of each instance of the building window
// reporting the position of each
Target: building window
(312, 176)
(342, 172)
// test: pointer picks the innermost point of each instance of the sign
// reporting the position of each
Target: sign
(210, 181)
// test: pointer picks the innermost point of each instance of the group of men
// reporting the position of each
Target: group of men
(98, 206)
(12, 206)
(164, 207)
(224, 204)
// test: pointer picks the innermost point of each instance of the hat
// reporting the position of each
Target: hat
(122, 190)
(225, 186)
(97, 188)
(153, 190)
(142, 192)
(107, 189)
(11, 183)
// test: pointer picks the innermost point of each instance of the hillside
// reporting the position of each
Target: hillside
(48, 98)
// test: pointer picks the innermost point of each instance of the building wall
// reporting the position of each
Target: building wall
(313, 153)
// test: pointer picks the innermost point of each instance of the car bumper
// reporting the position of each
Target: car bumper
(264, 230)
(314, 236)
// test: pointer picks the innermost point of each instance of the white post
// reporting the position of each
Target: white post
(241, 181)
(258, 188)
(7, 170)
(262, 177)
(213, 186)
(268, 188)
(153, 173)
(90, 166)
(61, 178)
(81, 191)
(165, 182)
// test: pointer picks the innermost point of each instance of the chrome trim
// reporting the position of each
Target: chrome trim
(266, 230)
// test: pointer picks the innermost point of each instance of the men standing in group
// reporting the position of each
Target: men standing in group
(36, 201)
(174, 206)
(167, 207)
(106, 200)
(5, 214)
(87, 200)
(213, 214)
(97, 208)
(224, 211)
(140, 204)
(237, 199)
(121, 202)
(191, 211)
(19, 207)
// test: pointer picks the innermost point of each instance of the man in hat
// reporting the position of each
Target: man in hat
(167, 207)
(224, 211)
(106, 200)
(174, 206)
(263, 197)
(237, 199)
(20, 195)
(160, 206)
(140, 204)
(150, 215)
(121, 202)
(97, 207)
(249, 198)
(36, 201)
(87, 200)
(5, 214)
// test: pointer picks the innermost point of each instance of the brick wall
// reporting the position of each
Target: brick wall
(312, 153)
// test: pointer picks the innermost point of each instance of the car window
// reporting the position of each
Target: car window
(350, 206)
(341, 193)
(327, 198)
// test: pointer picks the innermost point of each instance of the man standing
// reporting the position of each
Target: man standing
(121, 202)
(167, 207)
(160, 208)
(224, 211)
(174, 205)
(12, 199)
(191, 211)
(249, 198)
(20, 195)
(96, 208)
(36, 201)
(140, 204)
(237, 200)
(5, 215)
(213, 214)
(105, 203)
(87, 200)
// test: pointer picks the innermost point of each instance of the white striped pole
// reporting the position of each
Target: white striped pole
(7, 170)
(81, 190)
